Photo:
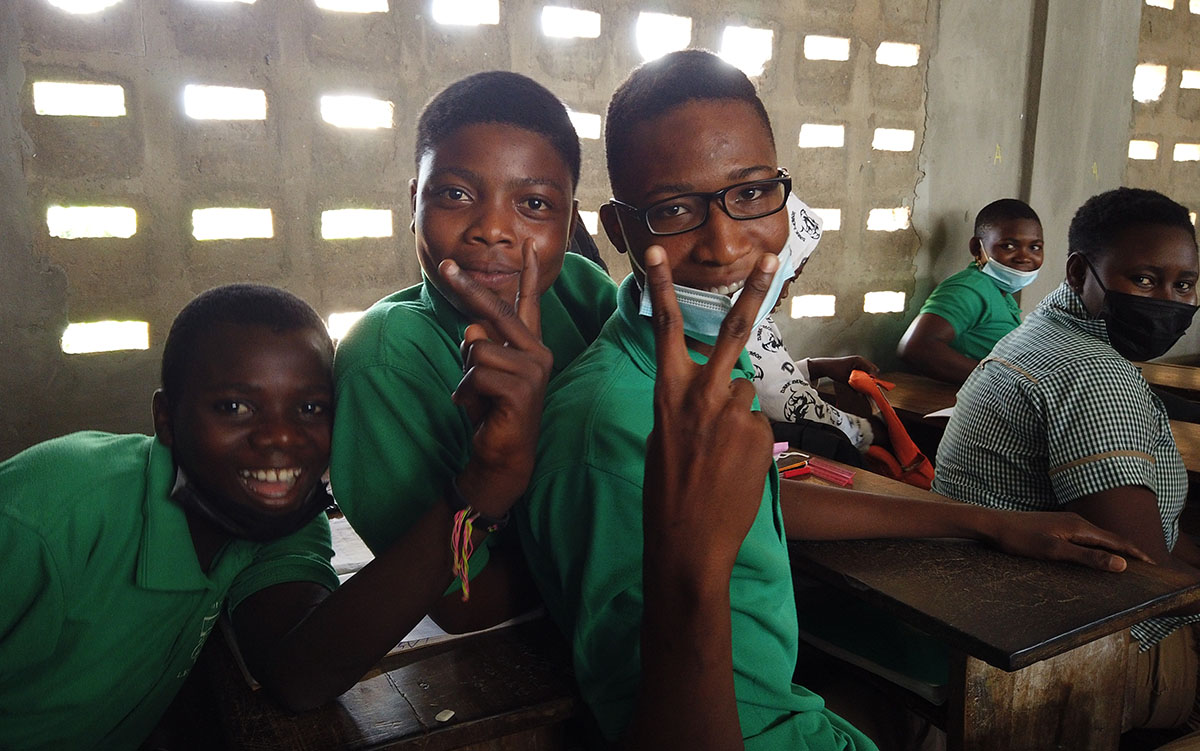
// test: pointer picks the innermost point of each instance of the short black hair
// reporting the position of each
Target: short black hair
(239, 304)
(1102, 217)
(503, 97)
(659, 86)
(1004, 210)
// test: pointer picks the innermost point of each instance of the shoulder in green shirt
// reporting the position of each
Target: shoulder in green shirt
(105, 608)
(398, 438)
(979, 311)
(582, 531)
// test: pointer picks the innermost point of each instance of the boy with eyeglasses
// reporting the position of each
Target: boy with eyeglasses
(689, 640)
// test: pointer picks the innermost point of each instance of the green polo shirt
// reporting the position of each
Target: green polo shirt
(979, 311)
(582, 532)
(398, 437)
(104, 606)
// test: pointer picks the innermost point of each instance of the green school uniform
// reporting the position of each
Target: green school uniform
(398, 437)
(582, 533)
(979, 311)
(104, 606)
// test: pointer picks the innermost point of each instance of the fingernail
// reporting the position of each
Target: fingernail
(450, 268)
(655, 255)
(769, 263)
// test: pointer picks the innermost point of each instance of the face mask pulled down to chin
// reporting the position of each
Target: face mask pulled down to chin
(703, 311)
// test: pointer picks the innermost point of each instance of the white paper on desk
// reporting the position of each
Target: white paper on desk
(947, 412)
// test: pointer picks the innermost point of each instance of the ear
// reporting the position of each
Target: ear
(612, 227)
(162, 418)
(976, 247)
(412, 195)
(576, 220)
(1077, 270)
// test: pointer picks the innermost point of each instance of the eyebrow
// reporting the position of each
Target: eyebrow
(735, 177)
(524, 182)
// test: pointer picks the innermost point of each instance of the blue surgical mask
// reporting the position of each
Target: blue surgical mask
(1006, 278)
(704, 311)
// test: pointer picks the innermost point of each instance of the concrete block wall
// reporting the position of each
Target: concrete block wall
(164, 164)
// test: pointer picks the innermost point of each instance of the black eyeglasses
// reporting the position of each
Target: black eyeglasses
(687, 211)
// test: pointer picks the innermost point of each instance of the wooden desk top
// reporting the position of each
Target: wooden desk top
(918, 395)
(498, 683)
(1007, 611)
(1187, 440)
(1182, 378)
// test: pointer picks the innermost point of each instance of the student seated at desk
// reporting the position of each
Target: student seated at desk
(1058, 418)
(970, 311)
(708, 595)
(497, 164)
(120, 552)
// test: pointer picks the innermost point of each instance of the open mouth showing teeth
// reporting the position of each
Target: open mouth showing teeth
(727, 289)
(270, 483)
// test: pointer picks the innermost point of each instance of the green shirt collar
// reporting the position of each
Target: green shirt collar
(166, 558)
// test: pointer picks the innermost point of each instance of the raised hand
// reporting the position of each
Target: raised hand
(708, 455)
(505, 371)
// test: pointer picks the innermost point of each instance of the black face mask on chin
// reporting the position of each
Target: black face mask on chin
(247, 523)
(1142, 328)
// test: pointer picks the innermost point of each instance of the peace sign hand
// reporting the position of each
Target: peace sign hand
(708, 454)
(505, 371)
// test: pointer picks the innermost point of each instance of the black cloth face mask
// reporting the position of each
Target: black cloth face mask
(247, 523)
(1142, 328)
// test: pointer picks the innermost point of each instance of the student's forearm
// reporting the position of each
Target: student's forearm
(820, 512)
(686, 698)
(345, 636)
(938, 360)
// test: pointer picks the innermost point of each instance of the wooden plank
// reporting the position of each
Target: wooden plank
(1004, 610)
(1071, 702)
(1187, 440)
(510, 688)
(1183, 379)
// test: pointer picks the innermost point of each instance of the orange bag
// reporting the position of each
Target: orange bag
(904, 462)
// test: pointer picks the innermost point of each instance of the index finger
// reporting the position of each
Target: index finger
(670, 351)
(529, 308)
(739, 323)
(483, 305)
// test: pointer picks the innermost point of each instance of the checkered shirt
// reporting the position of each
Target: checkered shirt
(1055, 414)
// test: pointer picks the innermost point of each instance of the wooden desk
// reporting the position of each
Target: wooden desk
(1038, 649)
(1182, 379)
(510, 689)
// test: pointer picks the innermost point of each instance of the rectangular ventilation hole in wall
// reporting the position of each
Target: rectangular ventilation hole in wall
(587, 125)
(888, 220)
(466, 12)
(1168, 4)
(232, 224)
(656, 34)
(73, 222)
(81, 7)
(898, 54)
(202, 102)
(345, 224)
(747, 48)
(816, 135)
(826, 48)
(1190, 78)
(569, 23)
(340, 323)
(813, 306)
(591, 220)
(358, 112)
(105, 336)
(1192, 215)
(1149, 82)
(1194, 7)
(80, 99)
(883, 301)
(1186, 152)
(354, 6)
(227, 2)
(1143, 150)
(831, 219)
(893, 139)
